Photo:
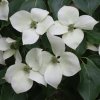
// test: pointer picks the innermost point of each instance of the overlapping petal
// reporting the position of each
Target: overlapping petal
(21, 20)
(10, 40)
(53, 75)
(74, 38)
(86, 22)
(8, 53)
(38, 14)
(69, 64)
(20, 82)
(68, 15)
(58, 46)
(43, 26)
(36, 76)
(29, 36)
(4, 45)
(92, 47)
(18, 58)
(57, 29)
(46, 59)
(34, 58)
(12, 70)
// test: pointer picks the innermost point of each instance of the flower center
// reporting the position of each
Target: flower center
(27, 69)
(55, 60)
(71, 27)
(33, 24)
(14, 46)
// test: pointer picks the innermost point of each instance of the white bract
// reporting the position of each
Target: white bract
(31, 24)
(91, 47)
(2, 61)
(63, 63)
(99, 49)
(70, 24)
(4, 9)
(8, 48)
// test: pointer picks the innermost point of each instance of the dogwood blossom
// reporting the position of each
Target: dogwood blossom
(43, 67)
(4, 9)
(8, 48)
(70, 24)
(31, 24)
(21, 76)
(17, 75)
(62, 63)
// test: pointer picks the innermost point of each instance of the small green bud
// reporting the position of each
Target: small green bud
(71, 27)
(27, 69)
(55, 60)
(33, 25)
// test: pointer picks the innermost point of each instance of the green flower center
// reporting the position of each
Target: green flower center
(14, 46)
(71, 27)
(27, 69)
(33, 24)
(55, 60)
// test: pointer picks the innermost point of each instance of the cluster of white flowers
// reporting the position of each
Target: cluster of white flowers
(41, 66)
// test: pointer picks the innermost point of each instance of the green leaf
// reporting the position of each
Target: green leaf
(55, 5)
(28, 4)
(2, 73)
(82, 47)
(96, 59)
(89, 86)
(93, 37)
(16, 5)
(8, 94)
(88, 6)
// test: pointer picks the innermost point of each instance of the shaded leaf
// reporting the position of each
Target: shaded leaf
(93, 37)
(88, 6)
(89, 86)
(2, 73)
(8, 94)
(82, 47)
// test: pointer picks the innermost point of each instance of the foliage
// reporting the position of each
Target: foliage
(83, 86)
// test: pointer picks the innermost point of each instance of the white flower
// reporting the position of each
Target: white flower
(70, 24)
(63, 63)
(8, 47)
(21, 75)
(31, 24)
(4, 9)
(17, 75)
